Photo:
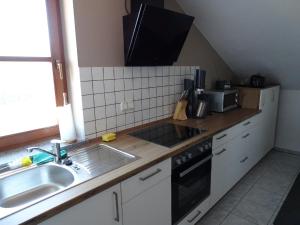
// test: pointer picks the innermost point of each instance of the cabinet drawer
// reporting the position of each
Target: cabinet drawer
(194, 216)
(145, 179)
(224, 136)
(249, 123)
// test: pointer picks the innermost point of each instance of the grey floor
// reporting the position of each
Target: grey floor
(257, 198)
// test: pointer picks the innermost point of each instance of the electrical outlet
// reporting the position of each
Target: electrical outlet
(123, 106)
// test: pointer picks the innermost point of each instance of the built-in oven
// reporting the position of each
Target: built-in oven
(191, 178)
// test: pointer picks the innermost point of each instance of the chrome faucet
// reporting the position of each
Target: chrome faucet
(56, 150)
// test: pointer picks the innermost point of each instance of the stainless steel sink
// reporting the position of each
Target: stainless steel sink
(24, 188)
(99, 159)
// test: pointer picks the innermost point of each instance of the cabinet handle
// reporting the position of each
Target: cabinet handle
(117, 218)
(244, 160)
(246, 135)
(150, 175)
(246, 124)
(192, 219)
(219, 138)
(222, 151)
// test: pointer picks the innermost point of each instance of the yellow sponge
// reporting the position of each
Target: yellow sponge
(109, 137)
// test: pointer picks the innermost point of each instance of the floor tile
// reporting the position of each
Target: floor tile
(263, 198)
(235, 220)
(213, 217)
(253, 212)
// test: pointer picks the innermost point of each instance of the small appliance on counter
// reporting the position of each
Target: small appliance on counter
(200, 103)
(257, 81)
(222, 101)
(189, 87)
(223, 85)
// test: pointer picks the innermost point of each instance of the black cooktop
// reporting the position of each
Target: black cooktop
(167, 134)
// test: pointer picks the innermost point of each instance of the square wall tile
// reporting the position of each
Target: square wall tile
(89, 115)
(110, 110)
(137, 83)
(109, 85)
(85, 74)
(120, 96)
(100, 112)
(99, 99)
(128, 84)
(89, 128)
(111, 122)
(127, 72)
(110, 98)
(98, 87)
(136, 72)
(101, 125)
(120, 120)
(86, 87)
(119, 72)
(119, 85)
(137, 94)
(87, 101)
(97, 73)
(138, 116)
(109, 73)
(129, 118)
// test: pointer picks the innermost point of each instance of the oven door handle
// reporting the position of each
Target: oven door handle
(195, 166)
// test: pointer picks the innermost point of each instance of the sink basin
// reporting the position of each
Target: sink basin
(20, 189)
(32, 184)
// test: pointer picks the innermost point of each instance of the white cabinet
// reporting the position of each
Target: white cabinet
(146, 197)
(221, 172)
(269, 98)
(233, 159)
(152, 206)
(101, 209)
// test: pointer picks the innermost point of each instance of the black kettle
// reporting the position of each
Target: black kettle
(257, 81)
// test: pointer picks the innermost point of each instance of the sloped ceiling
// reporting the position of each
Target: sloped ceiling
(256, 36)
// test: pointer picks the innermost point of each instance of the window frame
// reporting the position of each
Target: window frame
(60, 84)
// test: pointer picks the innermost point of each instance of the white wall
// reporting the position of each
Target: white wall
(253, 36)
(288, 126)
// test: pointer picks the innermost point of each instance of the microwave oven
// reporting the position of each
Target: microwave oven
(222, 101)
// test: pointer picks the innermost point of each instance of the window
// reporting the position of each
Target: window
(31, 77)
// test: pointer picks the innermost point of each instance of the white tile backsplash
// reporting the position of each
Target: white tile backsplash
(153, 90)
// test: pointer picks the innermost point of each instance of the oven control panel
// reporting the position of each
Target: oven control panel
(203, 148)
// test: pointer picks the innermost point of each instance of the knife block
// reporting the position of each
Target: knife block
(180, 113)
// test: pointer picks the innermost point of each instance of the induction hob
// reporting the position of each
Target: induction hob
(167, 134)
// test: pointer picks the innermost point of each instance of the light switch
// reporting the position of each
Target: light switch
(123, 106)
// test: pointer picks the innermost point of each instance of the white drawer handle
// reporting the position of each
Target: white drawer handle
(150, 175)
(221, 152)
(192, 219)
(246, 135)
(246, 124)
(219, 138)
(244, 160)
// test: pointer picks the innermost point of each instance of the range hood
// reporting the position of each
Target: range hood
(154, 36)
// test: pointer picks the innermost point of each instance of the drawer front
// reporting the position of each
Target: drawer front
(249, 123)
(194, 216)
(226, 135)
(145, 179)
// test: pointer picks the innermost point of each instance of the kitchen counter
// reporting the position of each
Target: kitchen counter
(149, 154)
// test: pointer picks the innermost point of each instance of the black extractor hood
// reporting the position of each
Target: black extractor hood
(154, 36)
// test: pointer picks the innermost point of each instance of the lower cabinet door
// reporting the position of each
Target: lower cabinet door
(222, 172)
(101, 209)
(151, 207)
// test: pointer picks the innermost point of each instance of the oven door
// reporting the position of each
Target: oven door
(190, 186)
